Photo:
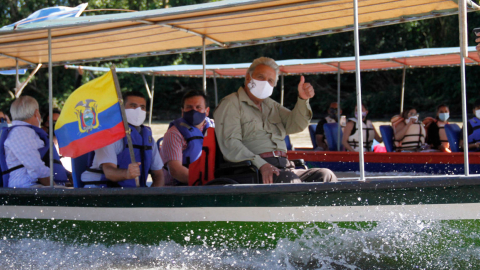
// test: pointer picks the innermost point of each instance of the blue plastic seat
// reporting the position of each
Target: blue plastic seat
(311, 129)
(453, 134)
(387, 135)
(79, 165)
(288, 143)
(331, 134)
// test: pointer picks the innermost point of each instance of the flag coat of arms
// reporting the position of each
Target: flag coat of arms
(91, 118)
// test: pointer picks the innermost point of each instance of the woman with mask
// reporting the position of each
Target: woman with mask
(409, 133)
(436, 135)
(473, 130)
(351, 134)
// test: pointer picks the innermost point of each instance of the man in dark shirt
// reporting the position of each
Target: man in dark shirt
(319, 132)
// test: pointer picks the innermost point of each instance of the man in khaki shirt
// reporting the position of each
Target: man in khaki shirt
(252, 126)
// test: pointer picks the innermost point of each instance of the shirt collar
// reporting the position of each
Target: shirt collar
(20, 123)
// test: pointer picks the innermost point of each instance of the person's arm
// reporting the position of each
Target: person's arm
(346, 134)
(378, 138)
(178, 171)
(320, 134)
(172, 152)
(297, 119)
(401, 129)
(158, 179)
(320, 142)
(23, 145)
(115, 174)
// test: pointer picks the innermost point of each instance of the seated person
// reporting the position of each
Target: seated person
(473, 130)
(436, 135)
(66, 161)
(252, 126)
(112, 166)
(46, 120)
(351, 136)
(26, 148)
(182, 143)
(4, 119)
(319, 132)
(409, 133)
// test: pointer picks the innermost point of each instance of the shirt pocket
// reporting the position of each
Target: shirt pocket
(248, 128)
(276, 126)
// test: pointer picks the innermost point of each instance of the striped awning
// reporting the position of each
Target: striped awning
(224, 24)
(422, 58)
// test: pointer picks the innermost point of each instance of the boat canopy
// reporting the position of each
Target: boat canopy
(422, 58)
(224, 24)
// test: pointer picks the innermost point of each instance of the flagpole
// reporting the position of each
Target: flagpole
(124, 117)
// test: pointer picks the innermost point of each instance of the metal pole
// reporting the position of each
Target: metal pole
(338, 107)
(403, 89)
(215, 86)
(204, 63)
(151, 101)
(359, 91)
(462, 19)
(50, 104)
(282, 92)
(17, 78)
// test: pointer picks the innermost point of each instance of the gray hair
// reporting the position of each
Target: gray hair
(267, 62)
(23, 108)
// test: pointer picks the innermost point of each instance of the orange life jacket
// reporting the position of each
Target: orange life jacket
(202, 170)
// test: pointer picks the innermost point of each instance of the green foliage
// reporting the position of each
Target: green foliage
(425, 88)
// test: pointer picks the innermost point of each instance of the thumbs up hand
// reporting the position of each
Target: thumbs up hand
(305, 90)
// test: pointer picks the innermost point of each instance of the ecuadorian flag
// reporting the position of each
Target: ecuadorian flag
(90, 119)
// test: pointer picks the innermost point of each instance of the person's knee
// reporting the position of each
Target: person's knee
(286, 176)
(320, 175)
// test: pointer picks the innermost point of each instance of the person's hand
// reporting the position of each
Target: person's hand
(133, 170)
(305, 90)
(80, 71)
(267, 171)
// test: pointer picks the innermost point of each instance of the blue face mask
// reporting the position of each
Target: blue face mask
(193, 117)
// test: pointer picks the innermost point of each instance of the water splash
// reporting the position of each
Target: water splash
(386, 245)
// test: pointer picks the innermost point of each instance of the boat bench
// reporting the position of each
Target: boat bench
(454, 133)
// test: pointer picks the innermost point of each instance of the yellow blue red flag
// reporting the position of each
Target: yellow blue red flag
(90, 119)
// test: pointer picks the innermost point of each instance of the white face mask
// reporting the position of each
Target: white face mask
(260, 89)
(477, 113)
(136, 116)
(364, 114)
(39, 122)
(414, 119)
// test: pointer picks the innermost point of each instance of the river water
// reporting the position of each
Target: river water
(386, 245)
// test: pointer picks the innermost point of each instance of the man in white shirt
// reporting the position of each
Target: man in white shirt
(112, 166)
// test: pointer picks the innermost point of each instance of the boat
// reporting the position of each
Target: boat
(257, 216)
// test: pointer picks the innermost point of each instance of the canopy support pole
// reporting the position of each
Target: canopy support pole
(402, 99)
(338, 107)
(462, 23)
(215, 86)
(151, 101)
(359, 91)
(204, 63)
(146, 86)
(50, 104)
(282, 92)
(19, 89)
(17, 78)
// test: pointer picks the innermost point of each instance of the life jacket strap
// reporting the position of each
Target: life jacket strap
(194, 138)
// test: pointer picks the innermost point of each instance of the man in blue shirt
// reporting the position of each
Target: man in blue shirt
(25, 145)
